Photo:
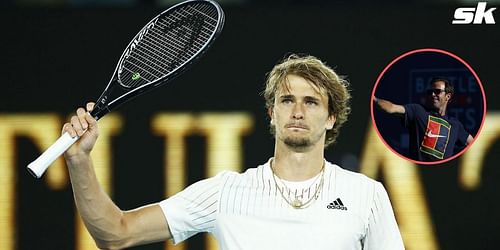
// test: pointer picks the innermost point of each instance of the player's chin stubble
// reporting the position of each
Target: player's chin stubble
(297, 142)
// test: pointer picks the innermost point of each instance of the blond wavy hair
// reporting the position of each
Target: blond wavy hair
(322, 77)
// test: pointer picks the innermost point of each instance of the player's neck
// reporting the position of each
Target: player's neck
(439, 110)
(291, 165)
(442, 111)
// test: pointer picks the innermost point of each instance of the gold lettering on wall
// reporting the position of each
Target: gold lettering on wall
(224, 132)
(403, 183)
(174, 127)
(43, 130)
(109, 126)
(472, 162)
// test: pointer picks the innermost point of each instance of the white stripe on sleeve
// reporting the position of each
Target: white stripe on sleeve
(382, 232)
(194, 209)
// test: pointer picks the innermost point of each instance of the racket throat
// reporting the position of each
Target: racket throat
(101, 108)
(99, 111)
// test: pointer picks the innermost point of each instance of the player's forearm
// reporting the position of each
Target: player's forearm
(384, 104)
(388, 106)
(101, 216)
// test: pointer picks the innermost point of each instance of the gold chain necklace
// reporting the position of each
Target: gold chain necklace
(296, 203)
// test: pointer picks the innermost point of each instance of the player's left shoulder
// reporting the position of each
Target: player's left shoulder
(355, 190)
(351, 176)
(455, 122)
(352, 182)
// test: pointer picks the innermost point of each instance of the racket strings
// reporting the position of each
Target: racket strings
(164, 47)
(176, 46)
(186, 13)
(173, 40)
(198, 32)
(182, 38)
(156, 63)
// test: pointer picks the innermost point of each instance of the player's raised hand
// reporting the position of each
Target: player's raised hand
(83, 125)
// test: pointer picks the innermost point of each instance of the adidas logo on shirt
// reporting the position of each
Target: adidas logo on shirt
(337, 204)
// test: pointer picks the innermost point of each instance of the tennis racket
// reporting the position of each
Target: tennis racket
(164, 48)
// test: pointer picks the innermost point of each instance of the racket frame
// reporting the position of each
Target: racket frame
(104, 105)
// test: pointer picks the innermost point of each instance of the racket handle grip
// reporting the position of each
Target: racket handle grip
(38, 166)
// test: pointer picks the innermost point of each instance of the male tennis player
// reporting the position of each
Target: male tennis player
(433, 134)
(296, 200)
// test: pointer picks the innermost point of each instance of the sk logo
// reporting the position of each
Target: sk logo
(474, 15)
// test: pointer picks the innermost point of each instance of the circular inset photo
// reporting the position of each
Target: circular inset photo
(428, 106)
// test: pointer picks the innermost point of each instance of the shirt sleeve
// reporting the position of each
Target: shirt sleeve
(410, 113)
(193, 210)
(462, 135)
(382, 232)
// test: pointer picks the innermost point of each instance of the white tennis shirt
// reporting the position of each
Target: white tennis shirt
(247, 211)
